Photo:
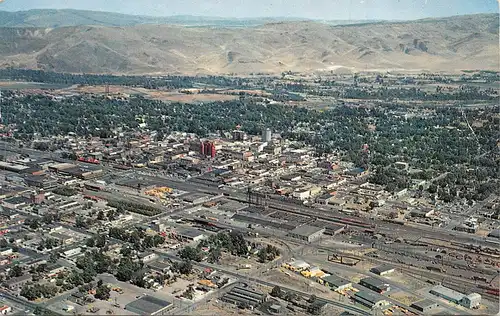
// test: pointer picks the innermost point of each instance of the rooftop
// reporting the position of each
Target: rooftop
(189, 232)
(336, 281)
(382, 268)
(369, 297)
(449, 293)
(147, 305)
(306, 230)
(424, 304)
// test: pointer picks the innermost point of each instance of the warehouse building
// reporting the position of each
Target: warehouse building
(336, 283)
(472, 300)
(244, 296)
(307, 233)
(370, 299)
(149, 305)
(189, 234)
(447, 294)
(383, 269)
(375, 284)
(424, 306)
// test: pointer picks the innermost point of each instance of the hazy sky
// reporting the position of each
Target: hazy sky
(315, 9)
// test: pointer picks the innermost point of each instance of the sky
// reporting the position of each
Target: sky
(311, 9)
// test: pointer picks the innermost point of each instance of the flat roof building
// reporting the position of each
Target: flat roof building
(424, 306)
(242, 296)
(307, 233)
(336, 283)
(190, 234)
(447, 294)
(370, 299)
(375, 284)
(383, 269)
(149, 305)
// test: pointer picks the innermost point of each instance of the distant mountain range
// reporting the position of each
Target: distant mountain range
(445, 44)
(68, 17)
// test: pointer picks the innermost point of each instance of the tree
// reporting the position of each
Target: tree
(312, 298)
(276, 291)
(263, 255)
(185, 267)
(214, 255)
(191, 253)
(102, 292)
(90, 242)
(16, 271)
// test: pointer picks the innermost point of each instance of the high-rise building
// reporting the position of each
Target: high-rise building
(207, 148)
(266, 135)
(239, 135)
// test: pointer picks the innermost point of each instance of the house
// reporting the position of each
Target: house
(5, 309)
(147, 256)
(159, 266)
(16, 283)
(54, 269)
(307, 233)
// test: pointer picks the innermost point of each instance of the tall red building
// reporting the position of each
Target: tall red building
(208, 149)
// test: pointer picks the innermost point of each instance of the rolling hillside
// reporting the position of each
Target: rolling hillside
(446, 44)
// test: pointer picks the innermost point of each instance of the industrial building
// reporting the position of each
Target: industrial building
(447, 294)
(336, 283)
(242, 296)
(189, 234)
(383, 269)
(472, 300)
(424, 306)
(149, 305)
(375, 284)
(307, 233)
(370, 299)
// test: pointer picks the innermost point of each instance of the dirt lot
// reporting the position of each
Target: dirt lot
(406, 280)
(404, 297)
(174, 96)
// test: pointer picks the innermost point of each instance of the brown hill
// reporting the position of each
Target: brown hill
(448, 44)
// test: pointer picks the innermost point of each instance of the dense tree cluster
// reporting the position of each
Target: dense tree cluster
(432, 138)
(138, 238)
(166, 82)
(142, 209)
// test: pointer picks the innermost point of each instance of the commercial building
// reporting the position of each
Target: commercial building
(336, 283)
(307, 233)
(383, 269)
(370, 299)
(375, 284)
(424, 306)
(244, 296)
(149, 305)
(189, 234)
(266, 135)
